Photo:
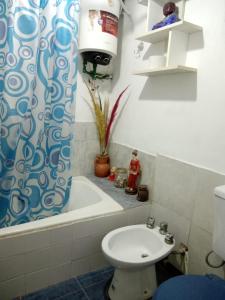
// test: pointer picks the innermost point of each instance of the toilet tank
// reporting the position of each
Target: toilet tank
(219, 222)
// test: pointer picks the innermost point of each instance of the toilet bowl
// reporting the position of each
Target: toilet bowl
(133, 251)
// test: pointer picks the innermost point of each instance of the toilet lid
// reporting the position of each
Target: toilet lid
(194, 287)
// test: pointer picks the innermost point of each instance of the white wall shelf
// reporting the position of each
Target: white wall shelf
(175, 38)
(158, 35)
(165, 70)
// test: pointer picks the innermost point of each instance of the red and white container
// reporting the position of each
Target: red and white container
(99, 22)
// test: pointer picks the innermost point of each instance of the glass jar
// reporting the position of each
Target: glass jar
(121, 178)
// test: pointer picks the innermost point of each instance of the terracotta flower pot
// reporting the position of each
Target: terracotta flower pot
(102, 165)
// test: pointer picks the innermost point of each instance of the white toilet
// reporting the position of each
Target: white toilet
(133, 251)
(197, 287)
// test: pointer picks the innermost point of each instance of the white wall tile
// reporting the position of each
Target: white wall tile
(147, 171)
(203, 215)
(37, 240)
(200, 243)
(85, 148)
(120, 155)
(98, 261)
(80, 267)
(48, 257)
(45, 277)
(105, 224)
(82, 229)
(12, 246)
(61, 234)
(12, 267)
(59, 273)
(37, 280)
(175, 185)
(177, 224)
(61, 253)
(78, 158)
(80, 131)
(96, 243)
(82, 247)
(38, 259)
(91, 150)
(138, 215)
(91, 131)
(12, 288)
(99, 226)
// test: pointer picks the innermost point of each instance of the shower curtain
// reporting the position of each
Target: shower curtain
(38, 65)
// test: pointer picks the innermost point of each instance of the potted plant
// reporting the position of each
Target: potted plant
(104, 122)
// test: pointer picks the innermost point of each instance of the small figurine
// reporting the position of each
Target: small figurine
(170, 13)
(112, 175)
(134, 171)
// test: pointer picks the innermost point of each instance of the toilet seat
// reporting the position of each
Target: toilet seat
(192, 287)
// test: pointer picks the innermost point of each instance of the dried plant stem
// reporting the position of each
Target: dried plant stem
(103, 122)
(100, 120)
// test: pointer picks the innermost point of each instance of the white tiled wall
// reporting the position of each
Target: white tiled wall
(182, 195)
(86, 147)
(37, 260)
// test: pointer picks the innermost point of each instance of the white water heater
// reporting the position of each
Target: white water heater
(99, 21)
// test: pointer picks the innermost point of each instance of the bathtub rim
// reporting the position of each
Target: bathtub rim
(50, 223)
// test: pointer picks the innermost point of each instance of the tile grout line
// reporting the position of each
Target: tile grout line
(55, 286)
(93, 284)
(70, 293)
(82, 289)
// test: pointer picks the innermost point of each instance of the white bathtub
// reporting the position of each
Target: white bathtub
(44, 252)
(86, 201)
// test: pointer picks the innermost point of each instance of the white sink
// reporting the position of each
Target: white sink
(133, 251)
(135, 246)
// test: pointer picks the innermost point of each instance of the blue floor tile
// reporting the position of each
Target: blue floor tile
(56, 291)
(96, 291)
(86, 287)
(63, 289)
(94, 283)
(40, 295)
(74, 296)
(97, 277)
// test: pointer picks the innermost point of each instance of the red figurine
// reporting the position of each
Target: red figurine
(112, 175)
(134, 171)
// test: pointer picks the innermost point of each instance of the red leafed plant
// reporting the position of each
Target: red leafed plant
(112, 117)
(104, 121)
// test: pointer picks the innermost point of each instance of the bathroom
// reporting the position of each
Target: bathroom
(171, 112)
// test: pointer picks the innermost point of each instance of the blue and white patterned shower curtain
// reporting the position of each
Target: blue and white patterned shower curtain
(38, 66)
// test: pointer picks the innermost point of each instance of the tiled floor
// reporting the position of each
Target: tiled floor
(91, 286)
(86, 287)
